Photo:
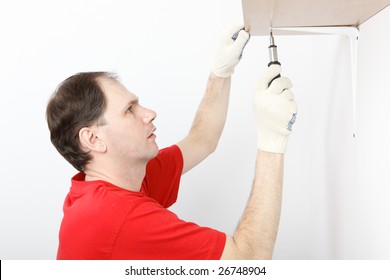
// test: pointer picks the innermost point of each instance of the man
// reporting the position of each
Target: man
(117, 204)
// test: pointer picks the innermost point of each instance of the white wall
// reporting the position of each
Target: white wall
(335, 199)
(373, 189)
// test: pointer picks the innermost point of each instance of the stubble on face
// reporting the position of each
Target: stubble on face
(129, 136)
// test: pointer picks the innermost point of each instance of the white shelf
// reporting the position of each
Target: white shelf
(260, 15)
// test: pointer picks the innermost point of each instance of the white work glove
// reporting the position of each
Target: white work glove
(232, 44)
(275, 110)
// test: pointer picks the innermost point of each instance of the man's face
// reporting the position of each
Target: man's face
(128, 132)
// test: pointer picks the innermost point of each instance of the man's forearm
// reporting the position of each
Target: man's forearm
(211, 115)
(275, 112)
(208, 123)
(210, 118)
(256, 233)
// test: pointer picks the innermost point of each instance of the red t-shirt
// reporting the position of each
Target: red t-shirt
(103, 221)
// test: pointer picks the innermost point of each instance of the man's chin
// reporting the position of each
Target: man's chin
(154, 152)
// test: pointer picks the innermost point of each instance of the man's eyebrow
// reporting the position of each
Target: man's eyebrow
(132, 102)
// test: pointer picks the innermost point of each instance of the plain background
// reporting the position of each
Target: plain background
(337, 189)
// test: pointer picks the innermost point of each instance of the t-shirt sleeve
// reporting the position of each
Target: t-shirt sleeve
(153, 232)
(163, 175)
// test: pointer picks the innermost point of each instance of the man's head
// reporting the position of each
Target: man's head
(91, 114)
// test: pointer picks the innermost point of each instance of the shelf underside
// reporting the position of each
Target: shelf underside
(260, 15)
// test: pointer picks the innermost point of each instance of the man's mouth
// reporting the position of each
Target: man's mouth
(152, 133)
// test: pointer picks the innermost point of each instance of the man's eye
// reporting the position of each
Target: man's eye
(130, 109)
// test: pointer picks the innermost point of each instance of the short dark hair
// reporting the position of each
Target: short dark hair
(77, 102)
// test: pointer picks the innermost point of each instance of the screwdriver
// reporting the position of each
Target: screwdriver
(273, 55)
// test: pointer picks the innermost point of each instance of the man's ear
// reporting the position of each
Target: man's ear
(90, 141)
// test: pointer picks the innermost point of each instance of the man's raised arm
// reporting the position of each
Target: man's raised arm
(210, 117)
(275, 110)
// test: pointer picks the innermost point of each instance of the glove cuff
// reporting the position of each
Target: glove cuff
(272, 143)
(222, 71)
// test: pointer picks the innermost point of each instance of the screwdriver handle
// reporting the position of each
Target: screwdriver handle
(278, 76)
(273, 55)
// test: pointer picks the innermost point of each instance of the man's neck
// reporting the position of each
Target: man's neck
(130, 179)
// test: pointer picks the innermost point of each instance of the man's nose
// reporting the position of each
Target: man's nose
(149, 115)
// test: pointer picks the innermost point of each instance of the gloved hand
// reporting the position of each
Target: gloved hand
(275, 111)
(230, 50)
